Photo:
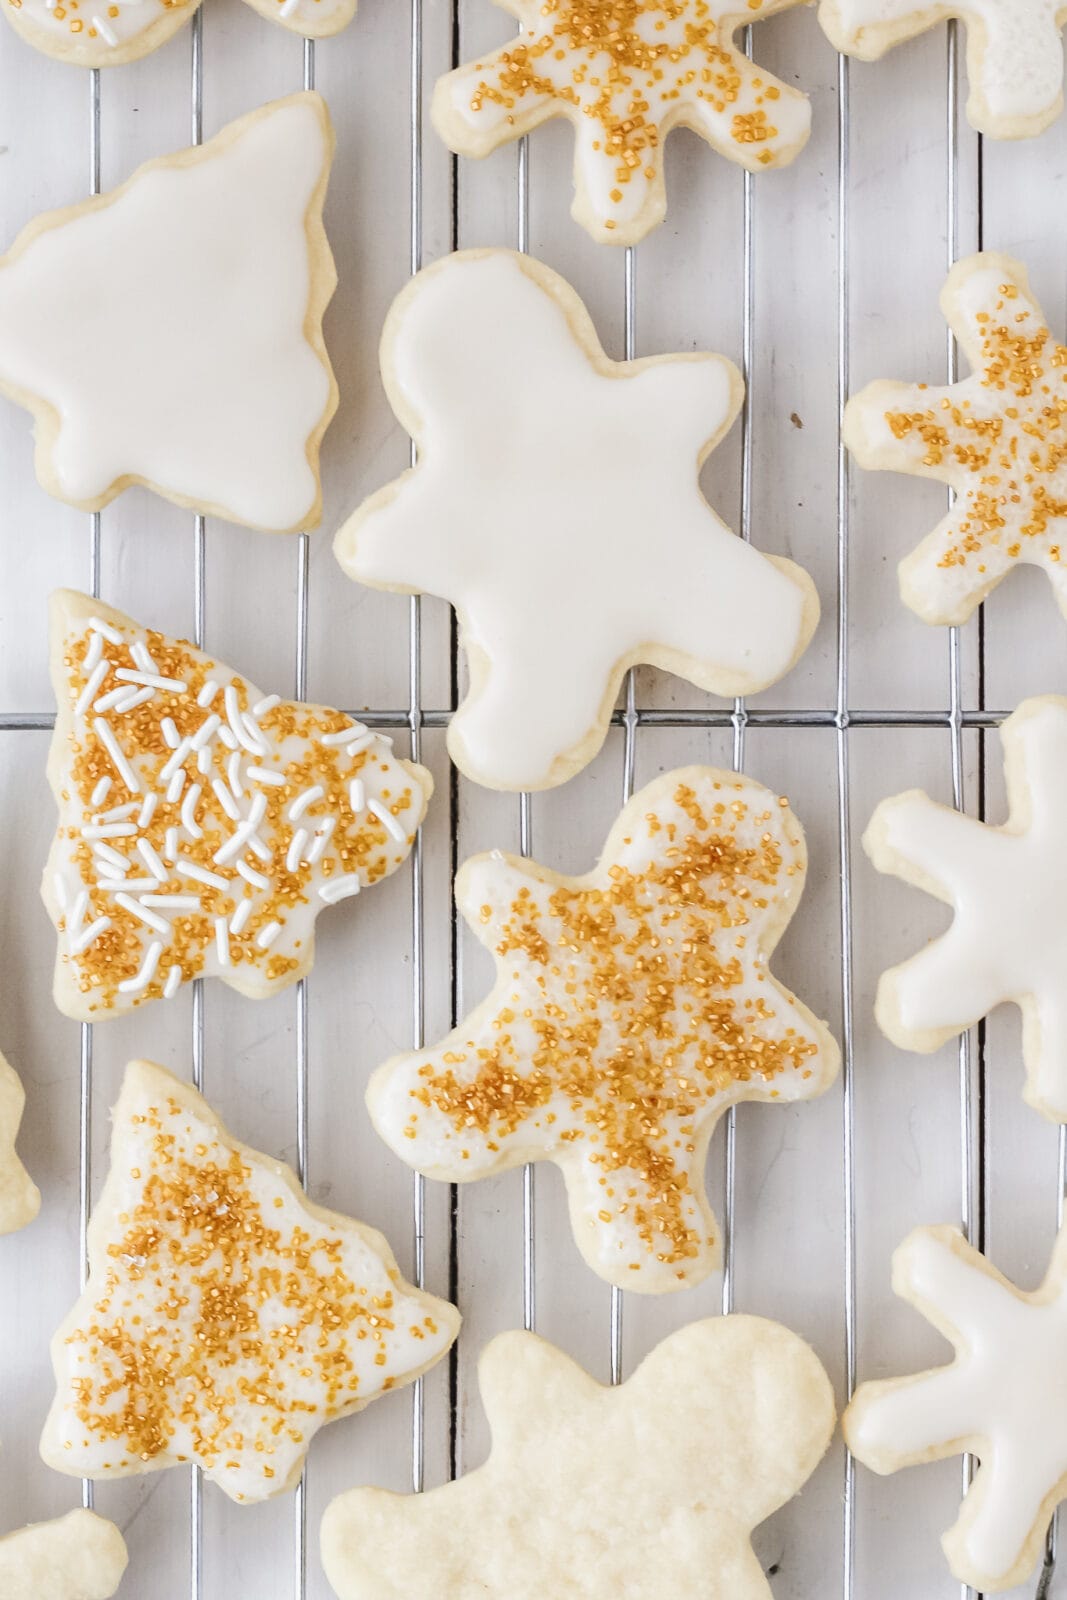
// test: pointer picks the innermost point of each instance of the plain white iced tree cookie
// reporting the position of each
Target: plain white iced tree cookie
(203, 826)
(226, 1318)
(624, 76)
(1007, 886)
(76, 1557)
(170, 333)
(556, 504)
(19, 1198)
(631, 1008)
(1003, 1399)
(645, 1490)
(1014, 52)
(998, 439)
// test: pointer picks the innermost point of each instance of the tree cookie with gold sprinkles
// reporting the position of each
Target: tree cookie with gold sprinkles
(77, 1557)
(20, 1200)
(998, 438)
(624, 74)
(631, 1008)
(202, 825)
(169, 333)
(226, 1318)
(648, 1489)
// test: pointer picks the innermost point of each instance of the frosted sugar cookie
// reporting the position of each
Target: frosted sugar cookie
(202, 826)
(1004, 1399)
(226, 1318)
(77, 1557)
(170, 333)
(998, 438)
(557, 505)
(631, 1007)
(624, 76)
(19, 1198)
(646, 1490)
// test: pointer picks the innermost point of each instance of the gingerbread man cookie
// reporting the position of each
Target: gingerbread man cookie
(20, 1200)
(646, 1490)
(170, 333)
(997, 438)
(631, 1008)
(543, 466)
(1003, 1399)
(226, 1318)
(624, 76)
(77, 1557)
(202, 826)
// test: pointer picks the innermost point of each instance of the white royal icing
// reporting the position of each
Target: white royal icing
(225, 1321)
(1008, 888)
(76, 1557)
(1004, 1396)
(164, 329)
(631, 1008)
(202, 826)
(556, 504)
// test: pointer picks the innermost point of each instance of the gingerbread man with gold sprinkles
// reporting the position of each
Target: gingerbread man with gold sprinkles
(625, 72)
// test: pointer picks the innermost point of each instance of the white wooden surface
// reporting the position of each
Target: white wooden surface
(690, 295)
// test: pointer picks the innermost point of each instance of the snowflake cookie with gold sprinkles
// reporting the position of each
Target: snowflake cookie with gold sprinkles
(631, 1008)
(169, 333)
(624, 73)
(998, 439)
(648, 1489)
(202, 825)
(226, 1318)
(19, 1198)
(77, 1557)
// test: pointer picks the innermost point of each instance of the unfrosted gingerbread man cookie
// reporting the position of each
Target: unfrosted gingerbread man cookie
(226, 1318)
(1003, 1399)
(19, 1197)
(202, 826)
(998, 439)
(556, 505)
(170, 333)
(631, 1008)
(624, 76)
(76, 1557)
(645, 1490)
(1007, 886)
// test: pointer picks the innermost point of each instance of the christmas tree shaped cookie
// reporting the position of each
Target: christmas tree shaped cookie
(19, 1199)
(226, 1318)
(624, 76)
(202, 826)
(631, 1008)
(645, 1490)
(557, 505)
(77, 1557)
(170, 333)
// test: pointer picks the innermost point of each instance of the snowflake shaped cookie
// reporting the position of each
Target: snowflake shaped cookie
(1003, 1399)
(170, 333)
(624, 74)
(543, 466)
(631, 1008)
(226, 1318)
(77, 1557)
(202, 826)
(1014, 52)
(1008, 888)
(648, 1489)
(19, 1198)
(997, 438)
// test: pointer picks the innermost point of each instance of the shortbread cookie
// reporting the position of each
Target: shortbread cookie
(997, 438)
(19, 1197)
(646, 1490)
(1014, 52)
(170, 333)
(624, 76)
(556, 504)
(226, 1318)
(77, 1557)
(631, 1008)
(1003, 1399)
(202, 825)
(1007, 886)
